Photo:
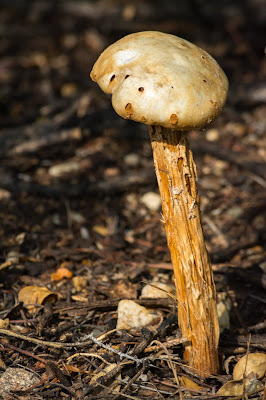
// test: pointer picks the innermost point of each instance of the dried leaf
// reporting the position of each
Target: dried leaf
(31, 295)
(236, 387)
(4, 323)
(101, 230)
(188, 383)
(82, 299)
(71, 368)
(253, 363)
(231, 388)
(61, 273)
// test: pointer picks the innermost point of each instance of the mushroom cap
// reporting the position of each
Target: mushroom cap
(160, 79)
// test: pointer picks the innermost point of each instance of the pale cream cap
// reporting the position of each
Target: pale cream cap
(160, 79)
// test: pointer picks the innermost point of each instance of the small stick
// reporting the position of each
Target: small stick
(119, 353)
(245, 369)
(43, 343)
(170, 362)
(132, 380)
(27, 353)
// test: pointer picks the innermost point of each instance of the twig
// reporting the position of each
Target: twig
(56, 137)
(122, 394)
(169, 343)
(88, 355)
(258, 341)
(264, 392)
(226, 254)
(257, 179)
(170, 362)
(258, 298)
(257, 327)
(132, 380)
(119, 353)
(43, 343)
(25, 352)
(111, 304)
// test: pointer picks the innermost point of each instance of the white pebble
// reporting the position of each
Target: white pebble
(212, 135)
(132, 159)
(223, 311)
(152, 201)
(132, 315)
(153, 292)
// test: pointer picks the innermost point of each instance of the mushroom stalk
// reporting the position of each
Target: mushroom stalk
(196, 295)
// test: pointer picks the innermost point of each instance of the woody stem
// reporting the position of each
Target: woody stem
(196, 295)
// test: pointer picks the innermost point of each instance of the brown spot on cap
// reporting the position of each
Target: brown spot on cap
(173, 119)
(143, 119)
(141, 89)
(129, 110)
(214, 104)
(112, 78)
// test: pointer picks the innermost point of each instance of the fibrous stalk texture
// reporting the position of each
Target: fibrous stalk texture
(197, 313)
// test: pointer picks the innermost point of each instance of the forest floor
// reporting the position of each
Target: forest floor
(74, 177)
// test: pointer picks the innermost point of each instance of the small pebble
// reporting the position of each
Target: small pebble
(12, 256)
(152, 201)
(132, 159)
(77, 217)
(223, 311)
(16, 379)
(212, 135)
(79, 283)
(153, 292)
(132, 315)
(84, 233)
(20, 238)
(235, 212)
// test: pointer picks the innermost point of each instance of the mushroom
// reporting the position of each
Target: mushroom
(174, 86)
